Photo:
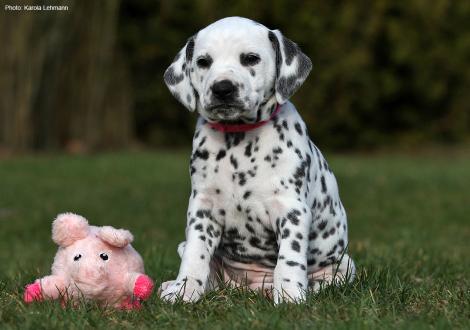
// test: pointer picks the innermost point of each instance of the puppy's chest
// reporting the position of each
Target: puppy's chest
(233, 170)
(235, 166)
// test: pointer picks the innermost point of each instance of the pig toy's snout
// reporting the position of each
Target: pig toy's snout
(92, 273)
(96, 274)
(91, 288)
(91, 279)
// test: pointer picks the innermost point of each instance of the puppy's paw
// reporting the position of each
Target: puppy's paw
(164, 286)
(187, 289)
(289, 292)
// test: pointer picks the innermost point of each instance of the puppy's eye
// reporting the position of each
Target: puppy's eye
(204, 62)
(104, 256)
(249, 59)
(77, 257)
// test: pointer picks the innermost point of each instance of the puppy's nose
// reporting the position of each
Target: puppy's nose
(223, 89)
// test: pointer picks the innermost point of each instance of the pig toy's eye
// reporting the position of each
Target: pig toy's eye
(104, 256)
(77, 257)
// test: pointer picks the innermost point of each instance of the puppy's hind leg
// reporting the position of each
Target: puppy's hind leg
(338, 273)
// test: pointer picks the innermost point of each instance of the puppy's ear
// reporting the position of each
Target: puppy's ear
(177, 76)
(292, 66)
(68, 228)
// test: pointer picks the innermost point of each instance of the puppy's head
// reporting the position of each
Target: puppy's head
(236, 70)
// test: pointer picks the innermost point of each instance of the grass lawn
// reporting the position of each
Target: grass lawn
(409, 220)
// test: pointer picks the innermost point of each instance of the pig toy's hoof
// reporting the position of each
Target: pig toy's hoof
(130, 304)
(32, 293)
(143, 287)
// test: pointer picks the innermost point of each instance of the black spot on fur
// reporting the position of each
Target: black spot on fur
(295, 246)
(233, 139)
(203, 140)
(311, 262)
(323, 184)
(248, 149)
(241, 178)
(203, 154)
(293, 216)
(284, 124)
(234, 162)
(285, 233)
(249, 228)
(254, 241)
(277, 51)
(190, 49)
(324, 263)
(221, 154)
(171, 78)
(277, 150)
(322, 225)
(291, 50)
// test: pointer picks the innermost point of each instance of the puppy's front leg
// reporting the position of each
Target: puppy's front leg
(203, 234)
(290, 275)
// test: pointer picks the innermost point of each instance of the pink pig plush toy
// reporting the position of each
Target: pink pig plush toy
(95, 263)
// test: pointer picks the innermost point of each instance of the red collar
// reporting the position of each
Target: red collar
(237, 128)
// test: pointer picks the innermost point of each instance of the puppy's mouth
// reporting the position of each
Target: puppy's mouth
(227, 112)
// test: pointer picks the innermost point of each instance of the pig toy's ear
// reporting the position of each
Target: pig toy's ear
(68, 228)
(115, 237)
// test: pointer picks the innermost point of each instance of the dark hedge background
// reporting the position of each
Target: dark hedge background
(385, 72)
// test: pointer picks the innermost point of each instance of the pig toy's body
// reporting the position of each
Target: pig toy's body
(94, 263)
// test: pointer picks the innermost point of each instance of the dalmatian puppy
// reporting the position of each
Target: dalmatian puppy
(264, 210)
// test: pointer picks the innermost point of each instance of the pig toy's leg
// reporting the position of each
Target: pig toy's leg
(143, 287)
(49, 287)
(140, 287)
